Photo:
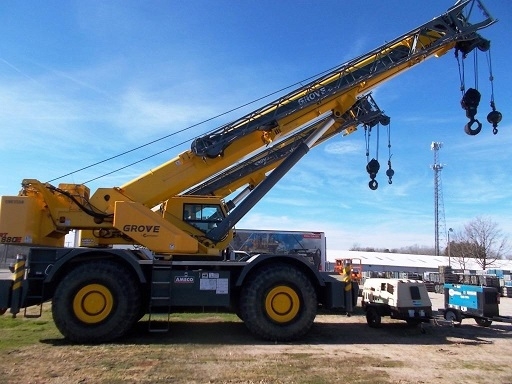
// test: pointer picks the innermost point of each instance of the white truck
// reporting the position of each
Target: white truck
(309, 244)
(400, 299)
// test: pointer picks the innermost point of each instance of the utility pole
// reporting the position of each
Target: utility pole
(439, 218)
(449, 252)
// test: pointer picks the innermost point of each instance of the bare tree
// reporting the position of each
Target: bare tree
(482, 241)
(460, 250)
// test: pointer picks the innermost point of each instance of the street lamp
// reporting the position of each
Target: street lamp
(449, 254)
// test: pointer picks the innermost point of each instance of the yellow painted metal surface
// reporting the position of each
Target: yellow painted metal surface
(151, 230)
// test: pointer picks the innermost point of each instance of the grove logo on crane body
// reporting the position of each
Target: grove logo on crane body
(141, 228)
(312, 96)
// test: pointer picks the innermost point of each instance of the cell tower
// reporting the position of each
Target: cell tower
(439, 218)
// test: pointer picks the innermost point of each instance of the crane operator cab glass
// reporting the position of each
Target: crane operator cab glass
(203, 216)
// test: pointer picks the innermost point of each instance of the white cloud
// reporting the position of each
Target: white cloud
(344, 148)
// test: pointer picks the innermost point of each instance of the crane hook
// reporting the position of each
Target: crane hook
(372, 168)
(494, 117)
(390, 173)
(473, 132)
(469, 102)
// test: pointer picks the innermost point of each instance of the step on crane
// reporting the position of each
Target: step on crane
(161, 241)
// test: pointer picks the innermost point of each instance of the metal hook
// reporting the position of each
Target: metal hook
(390, 173)
(473, 132)
(494, 117)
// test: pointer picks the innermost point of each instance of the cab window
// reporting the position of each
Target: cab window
(203, 216)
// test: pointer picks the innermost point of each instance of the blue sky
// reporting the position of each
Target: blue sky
(82, 81)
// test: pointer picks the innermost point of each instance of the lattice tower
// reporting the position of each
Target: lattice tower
(439, 217)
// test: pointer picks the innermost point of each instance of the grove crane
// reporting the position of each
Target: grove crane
(181, 226)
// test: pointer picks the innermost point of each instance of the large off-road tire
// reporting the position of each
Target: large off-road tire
(96, 302)
(278, 303)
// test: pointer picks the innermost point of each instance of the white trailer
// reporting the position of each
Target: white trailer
(401, 299)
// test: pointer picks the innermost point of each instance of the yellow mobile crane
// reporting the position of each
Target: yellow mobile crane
(181, 226)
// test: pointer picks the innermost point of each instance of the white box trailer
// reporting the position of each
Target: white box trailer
(256, 241)
(400, 299)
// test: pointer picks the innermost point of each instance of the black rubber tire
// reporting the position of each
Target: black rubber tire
(278, 281)
(373, 317)
(483, 322)
(109, 278)
(413, 322)
(453, 315)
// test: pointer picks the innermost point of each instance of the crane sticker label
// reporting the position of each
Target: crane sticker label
(211, 281)
(5, 238)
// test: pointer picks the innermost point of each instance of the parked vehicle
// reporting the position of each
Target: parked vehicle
(161, 241)
(397, 298)
(311, 245)
(472, 301)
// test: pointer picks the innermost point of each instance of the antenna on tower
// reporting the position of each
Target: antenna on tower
(439, 218)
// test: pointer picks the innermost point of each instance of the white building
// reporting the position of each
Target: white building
(398, 262)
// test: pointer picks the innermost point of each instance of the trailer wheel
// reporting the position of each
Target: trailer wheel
(483, 322)
(453, 315)
(96, 302)
(278, 303)
(373, 317)
(413, 322)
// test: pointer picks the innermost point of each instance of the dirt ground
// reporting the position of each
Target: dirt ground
(338, 349)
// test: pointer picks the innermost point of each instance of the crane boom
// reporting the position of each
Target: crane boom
(336, 90)
(252, 171)
(240, 153)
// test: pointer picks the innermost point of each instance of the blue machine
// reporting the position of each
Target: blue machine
(475, 301)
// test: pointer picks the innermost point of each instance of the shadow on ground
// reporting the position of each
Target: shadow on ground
(326, 330)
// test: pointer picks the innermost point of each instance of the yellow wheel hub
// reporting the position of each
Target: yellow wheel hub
(93, 303)
(282, 304)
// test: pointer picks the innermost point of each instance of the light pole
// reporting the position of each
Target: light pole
(449, 254)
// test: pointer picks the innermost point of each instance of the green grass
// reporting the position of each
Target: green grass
(20, 331)
(38, 347)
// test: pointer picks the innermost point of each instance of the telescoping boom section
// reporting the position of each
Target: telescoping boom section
(162, 241)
